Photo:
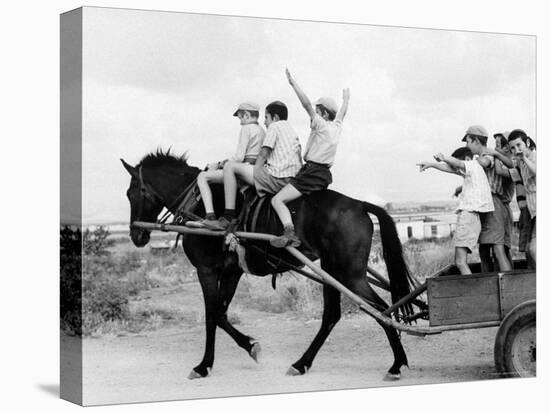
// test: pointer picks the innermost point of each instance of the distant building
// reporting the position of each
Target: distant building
(426, 225)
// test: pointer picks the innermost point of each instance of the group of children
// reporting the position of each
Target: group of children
(491, 176)
(271, 160)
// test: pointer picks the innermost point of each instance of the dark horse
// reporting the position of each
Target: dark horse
(333, 227)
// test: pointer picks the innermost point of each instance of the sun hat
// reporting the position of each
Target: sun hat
(328, 103)
(476, 130)
(251, 106)
(503, 134)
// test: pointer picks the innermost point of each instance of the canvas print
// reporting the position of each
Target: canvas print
(255, 206)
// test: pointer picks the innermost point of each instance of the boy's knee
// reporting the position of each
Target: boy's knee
(275, 200)
(229, 166)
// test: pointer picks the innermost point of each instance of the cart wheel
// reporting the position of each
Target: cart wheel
(516, 342)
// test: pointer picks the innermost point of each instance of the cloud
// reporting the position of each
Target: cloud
(157, 79)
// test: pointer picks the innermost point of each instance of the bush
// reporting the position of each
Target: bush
(71, 280)
(97, 242)
(104, 296)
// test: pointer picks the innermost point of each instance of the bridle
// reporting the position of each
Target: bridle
(147, 191)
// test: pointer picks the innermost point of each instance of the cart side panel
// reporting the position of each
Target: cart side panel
(463, 299)
(517, 288)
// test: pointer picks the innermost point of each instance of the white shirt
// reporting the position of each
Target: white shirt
(251, 139)
(285, 159)
(323, 140)
(476, 192)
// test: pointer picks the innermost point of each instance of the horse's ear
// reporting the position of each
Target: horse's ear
(131, 170)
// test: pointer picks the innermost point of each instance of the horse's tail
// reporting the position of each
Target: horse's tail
(401, 281)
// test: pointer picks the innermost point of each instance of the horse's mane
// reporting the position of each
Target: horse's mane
(161, 158)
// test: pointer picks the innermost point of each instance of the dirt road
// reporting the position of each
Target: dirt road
(154, 365)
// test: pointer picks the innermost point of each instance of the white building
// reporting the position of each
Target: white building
(427, 225)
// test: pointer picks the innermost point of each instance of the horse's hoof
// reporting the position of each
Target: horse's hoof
(293, 371)
(392, 377)
(194, 375)
(255, 351)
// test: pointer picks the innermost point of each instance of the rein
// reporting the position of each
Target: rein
(147, 191)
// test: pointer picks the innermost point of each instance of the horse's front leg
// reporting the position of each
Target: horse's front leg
(228, 285)
(209, 283)
(331, 315)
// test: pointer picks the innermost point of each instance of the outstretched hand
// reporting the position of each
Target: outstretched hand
(422, 166)
(439, 157)
(289, 76)
(345, 94)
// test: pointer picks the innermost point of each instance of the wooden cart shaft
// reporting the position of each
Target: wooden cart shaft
(434, 286)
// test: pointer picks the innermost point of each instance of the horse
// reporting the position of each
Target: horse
(333, 227)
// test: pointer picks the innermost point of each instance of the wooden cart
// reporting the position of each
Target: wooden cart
(454, 302)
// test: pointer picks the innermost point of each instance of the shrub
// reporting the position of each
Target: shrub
(97, 242)
(71, 280)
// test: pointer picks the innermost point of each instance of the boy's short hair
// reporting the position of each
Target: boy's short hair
(462, 153)
(330, 114)
(520, 134)
(277, 108)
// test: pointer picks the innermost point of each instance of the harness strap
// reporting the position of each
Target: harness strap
(186, 196)
(248, 210)
(256, 215)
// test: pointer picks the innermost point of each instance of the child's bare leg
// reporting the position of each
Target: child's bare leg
(508, 251)
(502, 259)
(203, 182)
(461, 260)
(533, 251)
(232, 171)
(279, 201)
(485, 257)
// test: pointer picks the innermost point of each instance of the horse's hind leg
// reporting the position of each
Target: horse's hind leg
(228, 285)
(331, 315)
(361, 287)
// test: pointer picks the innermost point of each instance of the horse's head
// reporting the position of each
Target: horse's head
(145, 204)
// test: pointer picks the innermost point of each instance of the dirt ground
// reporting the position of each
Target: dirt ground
(154, 365)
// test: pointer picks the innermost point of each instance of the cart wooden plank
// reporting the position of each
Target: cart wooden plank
(462, 299)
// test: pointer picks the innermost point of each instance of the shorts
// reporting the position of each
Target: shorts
(312, 177)
(266, 183)
(468, 228)
(524, 225)
(496, 226)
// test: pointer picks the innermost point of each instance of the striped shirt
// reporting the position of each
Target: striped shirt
(529, 182)
(251, 139)
(495, 180)
(323, 140)
(507, 186)
(285, 159)
(520, 189)
(476, 192)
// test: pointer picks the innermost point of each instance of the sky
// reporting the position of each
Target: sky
(173, 80)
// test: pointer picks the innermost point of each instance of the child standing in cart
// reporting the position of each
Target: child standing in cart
(475, 199)
(326, 128)
(251, 138)
(525, 159)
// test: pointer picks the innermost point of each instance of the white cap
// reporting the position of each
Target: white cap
(247, 106)
(328, 103)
